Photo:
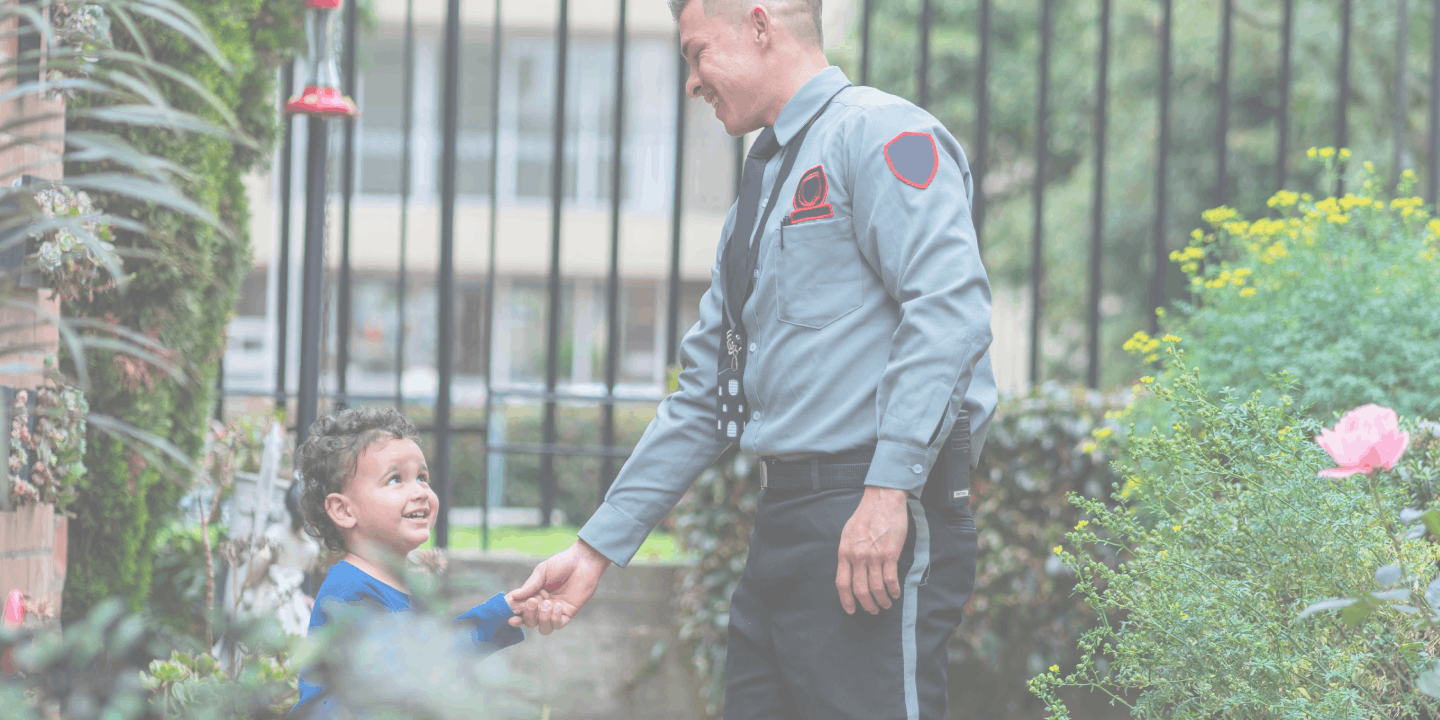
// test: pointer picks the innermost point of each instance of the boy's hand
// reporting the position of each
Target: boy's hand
(566, 582)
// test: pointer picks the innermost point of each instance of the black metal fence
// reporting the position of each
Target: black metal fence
(443, 427)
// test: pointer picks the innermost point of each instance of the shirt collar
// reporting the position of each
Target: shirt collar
(807, 101)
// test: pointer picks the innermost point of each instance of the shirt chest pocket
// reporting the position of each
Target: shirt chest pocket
(819, 272)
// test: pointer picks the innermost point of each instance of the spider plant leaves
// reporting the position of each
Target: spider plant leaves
(160, 193)
(94, 147)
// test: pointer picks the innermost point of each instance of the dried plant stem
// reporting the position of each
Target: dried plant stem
(209, 579)
(205, 520)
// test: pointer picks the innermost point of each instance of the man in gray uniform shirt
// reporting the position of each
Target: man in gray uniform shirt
(863, 332)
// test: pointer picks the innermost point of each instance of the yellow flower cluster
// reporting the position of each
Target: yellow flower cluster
(1189, 253)
(1218, 216)
(1081, 525)
(1131, 486)
(1326, 153)
(1101, 433)
(1283, 199)
(1406, 206)
(1142, 344)
(1176, 338)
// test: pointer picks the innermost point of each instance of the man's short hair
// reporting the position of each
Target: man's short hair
(802, 17)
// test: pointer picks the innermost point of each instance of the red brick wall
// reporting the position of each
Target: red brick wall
(32, 539)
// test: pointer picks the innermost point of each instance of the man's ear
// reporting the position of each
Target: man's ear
(760, 25)
(338, 507)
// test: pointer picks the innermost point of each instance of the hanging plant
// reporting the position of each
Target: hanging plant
(69, 265)
(53, 451)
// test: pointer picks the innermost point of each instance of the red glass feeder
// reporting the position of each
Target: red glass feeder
(14, 616)
(322, 94)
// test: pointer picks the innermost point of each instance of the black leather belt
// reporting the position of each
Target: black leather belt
(823, 472)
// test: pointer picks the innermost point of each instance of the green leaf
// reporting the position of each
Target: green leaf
(1391, 595)
(1431, 518)
(1388, 575)
(1429, 683)
(1356, 613)
(1324, 605)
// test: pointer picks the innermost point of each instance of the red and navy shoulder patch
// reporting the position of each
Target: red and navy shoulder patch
(913, 158)
(810, 196)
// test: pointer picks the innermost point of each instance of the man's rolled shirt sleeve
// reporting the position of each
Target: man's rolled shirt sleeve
(677, 445)
(921, 241)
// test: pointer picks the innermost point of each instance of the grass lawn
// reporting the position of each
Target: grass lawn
(659, 547)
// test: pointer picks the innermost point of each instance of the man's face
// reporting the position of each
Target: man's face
(390, 496)
(725, 69)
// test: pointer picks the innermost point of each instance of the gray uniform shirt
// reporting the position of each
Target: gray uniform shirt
(869, 324)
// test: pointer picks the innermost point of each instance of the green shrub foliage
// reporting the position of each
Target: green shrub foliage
(1226, 535)
(185, 276)
(1339, 292)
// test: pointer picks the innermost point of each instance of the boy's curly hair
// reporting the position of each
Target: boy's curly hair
(328, 458)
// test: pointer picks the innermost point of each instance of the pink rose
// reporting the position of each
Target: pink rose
(1365, 439)
(14, 609)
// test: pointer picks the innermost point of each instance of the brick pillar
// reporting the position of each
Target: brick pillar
(32, 538)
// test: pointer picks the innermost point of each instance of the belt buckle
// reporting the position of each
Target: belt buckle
(764, 473)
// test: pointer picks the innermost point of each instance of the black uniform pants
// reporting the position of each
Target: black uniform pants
(794, 654)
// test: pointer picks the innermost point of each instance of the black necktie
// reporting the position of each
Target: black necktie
(737, 248)
(739, 268)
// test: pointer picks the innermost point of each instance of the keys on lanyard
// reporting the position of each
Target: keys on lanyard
(730, 405)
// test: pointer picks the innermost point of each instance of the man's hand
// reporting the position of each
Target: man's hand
(870, 550)
(558, 588)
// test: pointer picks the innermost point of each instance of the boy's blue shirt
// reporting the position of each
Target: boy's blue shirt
(346, 583)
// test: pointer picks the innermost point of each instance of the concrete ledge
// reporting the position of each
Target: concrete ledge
(594, 669)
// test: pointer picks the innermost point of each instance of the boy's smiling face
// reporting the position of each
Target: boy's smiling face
(388, 501)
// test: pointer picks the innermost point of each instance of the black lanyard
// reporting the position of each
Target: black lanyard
(734, 306)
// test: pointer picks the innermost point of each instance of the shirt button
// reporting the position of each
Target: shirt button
(917, 468)
(757, 273)
(755, 416)
(752, 347)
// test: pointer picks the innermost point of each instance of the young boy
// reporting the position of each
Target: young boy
(367, 492)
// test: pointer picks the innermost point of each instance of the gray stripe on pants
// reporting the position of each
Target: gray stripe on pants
(912, 592)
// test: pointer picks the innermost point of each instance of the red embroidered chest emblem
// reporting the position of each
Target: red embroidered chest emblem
(810, 196)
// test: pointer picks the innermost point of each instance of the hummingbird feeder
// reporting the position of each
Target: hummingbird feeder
(322, 94)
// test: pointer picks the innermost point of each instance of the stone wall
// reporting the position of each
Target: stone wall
(600, 666)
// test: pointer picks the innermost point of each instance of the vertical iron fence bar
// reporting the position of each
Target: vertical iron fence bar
(552, 327)
(347, 189)
(220, 388)
(922, 77)
(282, 254)
(488, 341)
(1402, 52)
(1042, 149)
(982, 123)
(612, 287)
(1222, 119)
(865, 12)
(445, 347)
(1157, 277)
(1341, 126)
(1282, 152)
(1097, 202)
(1433, 162)
(312, 275)
(677, 208)
(407, 115)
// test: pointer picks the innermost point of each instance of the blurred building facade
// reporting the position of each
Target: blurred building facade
(527, 56)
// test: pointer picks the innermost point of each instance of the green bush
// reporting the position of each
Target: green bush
(1340, 293)
(1224, 536)
(186, 274)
